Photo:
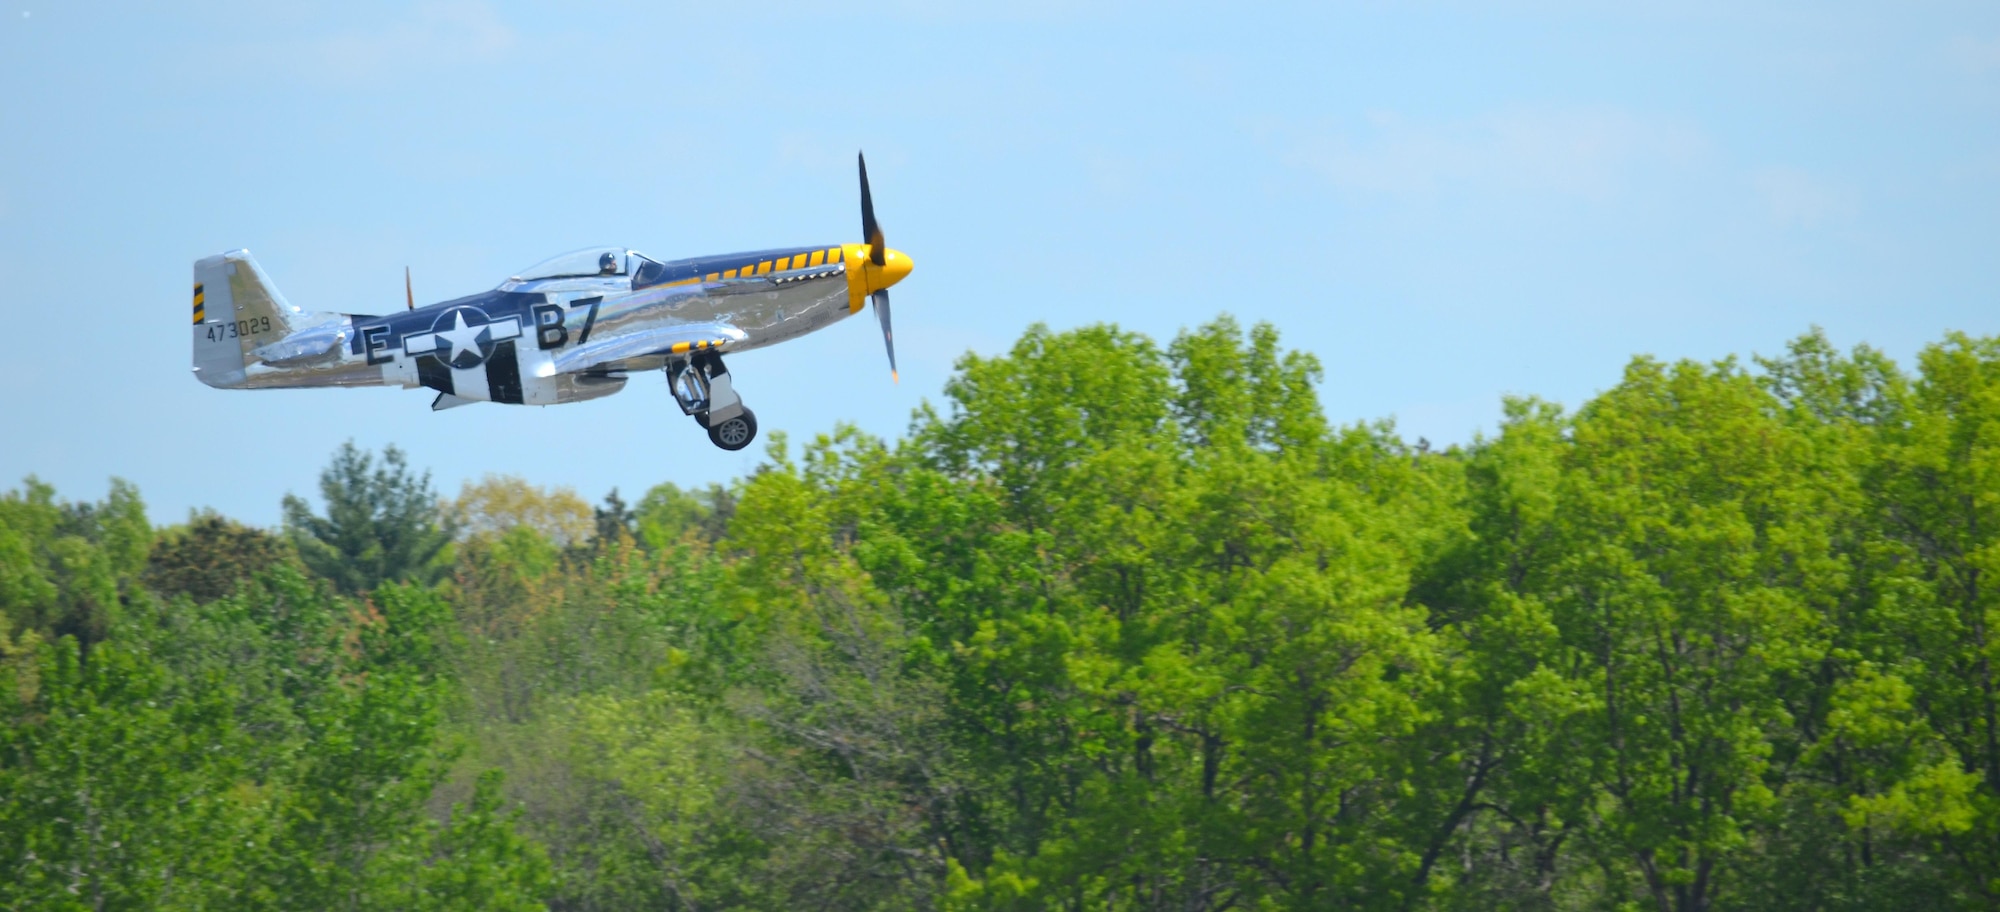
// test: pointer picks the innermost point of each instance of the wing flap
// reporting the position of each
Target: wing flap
(673, 340)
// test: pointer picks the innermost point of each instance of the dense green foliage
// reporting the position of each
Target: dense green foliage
(382, 523)
(1115, 627)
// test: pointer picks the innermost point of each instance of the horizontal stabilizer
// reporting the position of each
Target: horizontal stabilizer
(447, 400)
(321, 342)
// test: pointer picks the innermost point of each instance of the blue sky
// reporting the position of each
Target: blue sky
(1446, 202)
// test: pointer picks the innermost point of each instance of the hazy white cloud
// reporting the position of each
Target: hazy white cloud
(1975, 55)
(1116, 174)
(439, 33)
(1591, 153)
(817, 151)
(981, 11)
(935, 12)
(1793, 197)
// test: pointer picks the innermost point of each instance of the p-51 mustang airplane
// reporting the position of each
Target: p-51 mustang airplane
(564, 330)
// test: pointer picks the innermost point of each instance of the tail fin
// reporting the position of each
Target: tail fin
(236, 309)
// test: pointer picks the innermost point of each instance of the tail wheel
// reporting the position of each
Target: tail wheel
(734, 433)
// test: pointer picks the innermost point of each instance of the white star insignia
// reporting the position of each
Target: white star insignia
(463, 338)
(446, 345)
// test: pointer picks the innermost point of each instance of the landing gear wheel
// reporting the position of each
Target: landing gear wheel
(734, 433)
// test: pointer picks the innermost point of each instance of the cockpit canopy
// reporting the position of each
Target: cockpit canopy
(588, 263)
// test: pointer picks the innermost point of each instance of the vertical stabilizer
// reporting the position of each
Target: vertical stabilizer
(218, 360)
(236, 309)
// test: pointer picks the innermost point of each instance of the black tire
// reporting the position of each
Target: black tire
(735, 433)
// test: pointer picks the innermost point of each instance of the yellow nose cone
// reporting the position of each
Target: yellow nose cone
(895, 265)
(865, 278)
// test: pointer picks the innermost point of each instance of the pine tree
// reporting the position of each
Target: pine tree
(382, 523)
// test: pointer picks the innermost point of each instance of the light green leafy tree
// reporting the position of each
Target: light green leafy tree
(1937, 492)
(114, 795)
(65, 566)
(1692, 577)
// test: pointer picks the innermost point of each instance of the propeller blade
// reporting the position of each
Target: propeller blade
(409, 296)
(870, 230)
(881, 301)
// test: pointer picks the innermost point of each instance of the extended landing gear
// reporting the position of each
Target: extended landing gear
(734, 433)
(702, 389)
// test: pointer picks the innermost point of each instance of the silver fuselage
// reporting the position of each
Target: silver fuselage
(574, 336)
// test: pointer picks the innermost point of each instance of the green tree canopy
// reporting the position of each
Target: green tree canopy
(1117, 626)
(383, 522)
(210, 556)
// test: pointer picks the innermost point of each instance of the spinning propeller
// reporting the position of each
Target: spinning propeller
(885, 267)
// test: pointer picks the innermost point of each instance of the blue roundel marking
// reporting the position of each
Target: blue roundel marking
(465, 337)
(462, 337)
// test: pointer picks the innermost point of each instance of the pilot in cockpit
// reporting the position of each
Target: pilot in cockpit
(607, 264)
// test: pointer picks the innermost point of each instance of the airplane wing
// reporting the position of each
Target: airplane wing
(674, 340)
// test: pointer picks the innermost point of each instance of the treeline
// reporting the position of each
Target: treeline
(1116, 627)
